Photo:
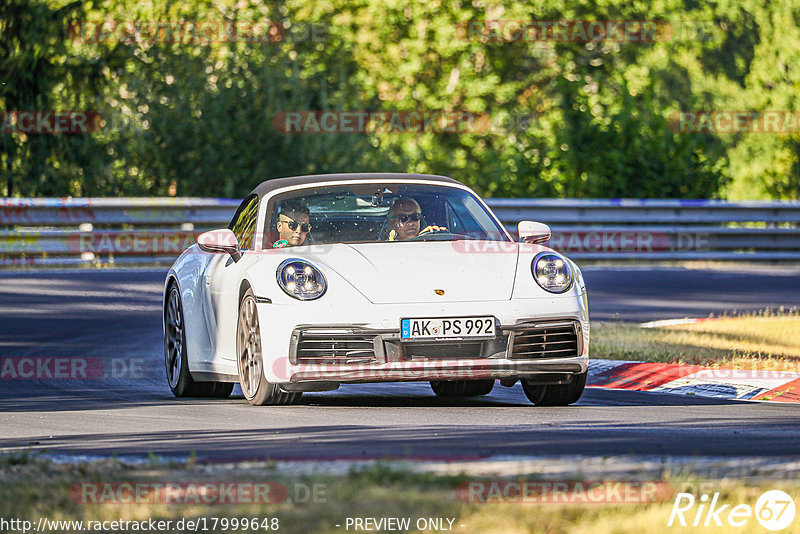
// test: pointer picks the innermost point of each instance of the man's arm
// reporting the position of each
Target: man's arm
(432, 229)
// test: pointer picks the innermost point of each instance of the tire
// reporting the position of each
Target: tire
(462, 388)
(219, 390)
(178, 377)
(556, 395)
(249, 359)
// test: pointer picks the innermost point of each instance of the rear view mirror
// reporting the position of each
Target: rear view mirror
(533, 232)
(221, 241)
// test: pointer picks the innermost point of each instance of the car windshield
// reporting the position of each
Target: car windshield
(371, 213)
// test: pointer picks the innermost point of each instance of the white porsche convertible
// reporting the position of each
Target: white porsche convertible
(352, 278)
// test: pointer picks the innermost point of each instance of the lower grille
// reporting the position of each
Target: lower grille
(330, 347)
(433, 351)
(546, 340)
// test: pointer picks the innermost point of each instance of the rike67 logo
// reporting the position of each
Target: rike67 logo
(774, 510)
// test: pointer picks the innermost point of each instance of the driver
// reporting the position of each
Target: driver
(292, 225)
(404, 218)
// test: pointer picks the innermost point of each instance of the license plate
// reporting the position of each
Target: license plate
(447, 328)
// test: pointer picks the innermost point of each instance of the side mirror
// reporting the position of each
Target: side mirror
(220, 242)
(533, 232)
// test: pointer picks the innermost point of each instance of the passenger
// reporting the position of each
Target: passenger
(293, 224)
(404, 220)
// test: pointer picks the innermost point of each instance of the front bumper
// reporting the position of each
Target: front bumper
(390, 359)
(466, 369)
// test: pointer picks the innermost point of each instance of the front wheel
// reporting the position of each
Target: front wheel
(178, 377)
(558, 394)
(249, 360)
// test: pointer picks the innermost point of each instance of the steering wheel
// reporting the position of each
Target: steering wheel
(438, 235)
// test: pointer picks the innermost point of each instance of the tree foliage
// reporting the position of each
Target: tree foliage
(39, 73)
(567, 117)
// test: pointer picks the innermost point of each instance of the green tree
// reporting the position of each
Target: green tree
(39, 73)
(568, 118)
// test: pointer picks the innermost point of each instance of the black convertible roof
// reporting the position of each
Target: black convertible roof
(271, 185)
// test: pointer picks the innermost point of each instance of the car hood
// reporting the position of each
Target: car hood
(413, 272)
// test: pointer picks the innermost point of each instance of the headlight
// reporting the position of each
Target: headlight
(552, 272)
(301, 280)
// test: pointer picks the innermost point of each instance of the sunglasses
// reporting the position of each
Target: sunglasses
(304, 227)
(404, 217)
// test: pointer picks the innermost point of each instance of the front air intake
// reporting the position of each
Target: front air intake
(545, 340)
(334, 347)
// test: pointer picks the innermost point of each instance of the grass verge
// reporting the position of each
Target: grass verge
(33, 488)
(764, 340)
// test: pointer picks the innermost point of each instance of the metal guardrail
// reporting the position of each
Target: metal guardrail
(146, 230)
(659, 229)
(86, 231)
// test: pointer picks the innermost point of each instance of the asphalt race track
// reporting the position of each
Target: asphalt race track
(114, 315)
